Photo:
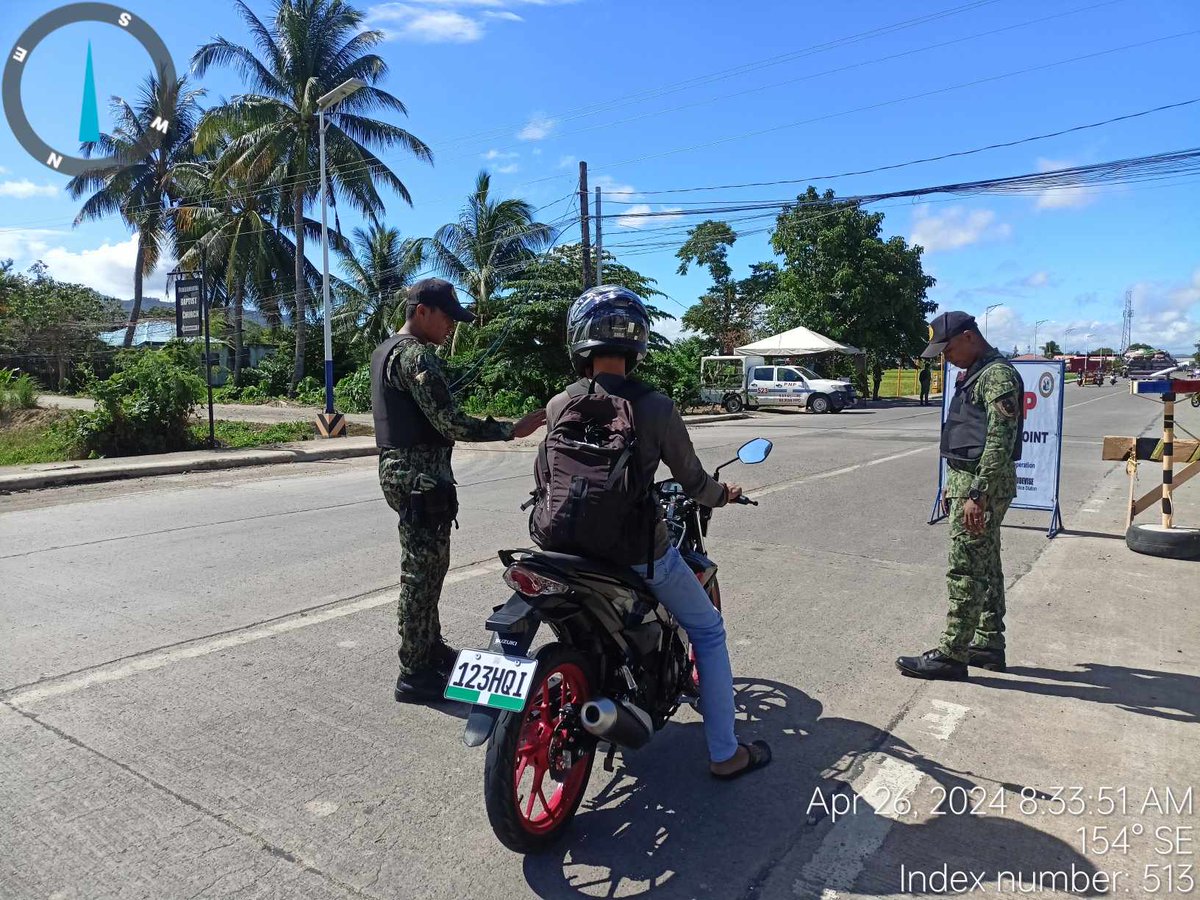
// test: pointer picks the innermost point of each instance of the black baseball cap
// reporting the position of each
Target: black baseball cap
(946, 326)
(438, 294)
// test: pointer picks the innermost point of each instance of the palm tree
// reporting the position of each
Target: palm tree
(232, 228)
(378, 269)
(140, 186)
(310, 47)
(492, 241)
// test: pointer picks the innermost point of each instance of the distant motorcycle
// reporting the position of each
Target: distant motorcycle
(1195, 399)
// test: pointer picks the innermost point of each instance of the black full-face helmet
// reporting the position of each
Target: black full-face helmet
(608, 320)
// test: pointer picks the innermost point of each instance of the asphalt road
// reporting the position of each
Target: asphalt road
(196, 676)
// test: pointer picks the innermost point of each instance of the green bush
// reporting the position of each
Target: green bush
(24, 392)
(353, 393)
(504, 403)
(272, 375)
(144, 407)
(17, 391)
(310, 391)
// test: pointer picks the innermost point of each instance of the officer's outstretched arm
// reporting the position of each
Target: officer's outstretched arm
(1001, 395)
(429, 388)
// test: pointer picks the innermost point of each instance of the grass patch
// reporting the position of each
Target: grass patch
(30, 436)
(242, 435)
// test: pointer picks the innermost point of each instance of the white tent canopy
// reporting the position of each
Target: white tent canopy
(797, 342)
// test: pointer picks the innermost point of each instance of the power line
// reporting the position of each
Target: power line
(931, 93)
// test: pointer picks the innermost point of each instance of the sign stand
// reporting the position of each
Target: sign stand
(1039, 370)
(192, 303)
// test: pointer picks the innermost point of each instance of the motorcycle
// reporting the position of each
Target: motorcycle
(619, 668)
(1195, 399)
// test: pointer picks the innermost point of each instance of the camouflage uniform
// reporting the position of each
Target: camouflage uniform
(424, 551)
(975, 579)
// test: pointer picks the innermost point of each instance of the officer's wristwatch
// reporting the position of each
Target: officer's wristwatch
(974, 494)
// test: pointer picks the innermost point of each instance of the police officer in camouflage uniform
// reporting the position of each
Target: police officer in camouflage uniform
(416, 425)
(981, 440)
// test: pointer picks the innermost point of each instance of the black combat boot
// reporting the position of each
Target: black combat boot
(934, 665)
(990, 658)
(421, 686)
(442, 657)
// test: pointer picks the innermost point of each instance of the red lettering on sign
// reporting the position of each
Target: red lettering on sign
(1030, 400)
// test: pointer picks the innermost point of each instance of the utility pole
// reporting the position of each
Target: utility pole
(599, 240)
(584, 228)
(1127, 322)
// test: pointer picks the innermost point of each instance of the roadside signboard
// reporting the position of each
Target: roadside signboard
(189, 309)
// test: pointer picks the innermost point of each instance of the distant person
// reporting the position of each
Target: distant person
(925, 377)
(416, 425)
(981, 441)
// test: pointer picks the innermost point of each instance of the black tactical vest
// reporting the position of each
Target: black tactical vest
(965, 429)
(399, 422)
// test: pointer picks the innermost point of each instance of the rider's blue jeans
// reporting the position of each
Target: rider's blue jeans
(675, 586)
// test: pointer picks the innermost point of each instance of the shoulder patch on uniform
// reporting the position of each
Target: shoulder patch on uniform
(1007, 407)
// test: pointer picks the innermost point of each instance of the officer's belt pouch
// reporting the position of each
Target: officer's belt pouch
(434, 507)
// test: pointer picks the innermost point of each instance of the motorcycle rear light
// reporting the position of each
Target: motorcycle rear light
(531, 584)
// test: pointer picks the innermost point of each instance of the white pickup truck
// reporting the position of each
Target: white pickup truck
(749, 382)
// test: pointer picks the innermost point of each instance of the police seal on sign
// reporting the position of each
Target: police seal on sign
(1046, 385)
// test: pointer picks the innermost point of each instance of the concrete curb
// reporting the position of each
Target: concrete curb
(26, 478)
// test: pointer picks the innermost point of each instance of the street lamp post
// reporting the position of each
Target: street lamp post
(986, 312)
(332, 423)
(1036, 325)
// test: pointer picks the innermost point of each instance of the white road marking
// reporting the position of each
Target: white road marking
(204, 646)
(1095, 399)
(755, 493)
(944, 719)
(855, 838)
(835, 866)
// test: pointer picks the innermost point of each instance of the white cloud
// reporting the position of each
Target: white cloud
(1166, 314)
(446, 21)
(403, 21)
(107, 268)
(499, 154)
(1037, 280)
(1063, 197)
(26, 189)
(565, 162)
(508, 169)
(538, 128)
(955, 228)
(635, 216)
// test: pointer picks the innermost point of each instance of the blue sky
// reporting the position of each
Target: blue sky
(672, 94)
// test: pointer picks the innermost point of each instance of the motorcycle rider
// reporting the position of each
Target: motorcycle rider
(608, 331)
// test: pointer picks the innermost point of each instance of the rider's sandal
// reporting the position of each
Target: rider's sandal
(760, 755)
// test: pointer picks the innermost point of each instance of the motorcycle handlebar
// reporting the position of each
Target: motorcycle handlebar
(746, 501)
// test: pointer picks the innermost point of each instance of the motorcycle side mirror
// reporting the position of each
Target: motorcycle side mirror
(751, 452)
(755, 451)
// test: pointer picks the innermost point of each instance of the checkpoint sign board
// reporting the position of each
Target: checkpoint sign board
(1041, 449)
(189, 309)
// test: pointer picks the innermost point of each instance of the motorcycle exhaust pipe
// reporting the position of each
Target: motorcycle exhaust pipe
(618, 723)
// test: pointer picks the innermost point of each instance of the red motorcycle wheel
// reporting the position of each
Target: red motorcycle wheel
(532, 789)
